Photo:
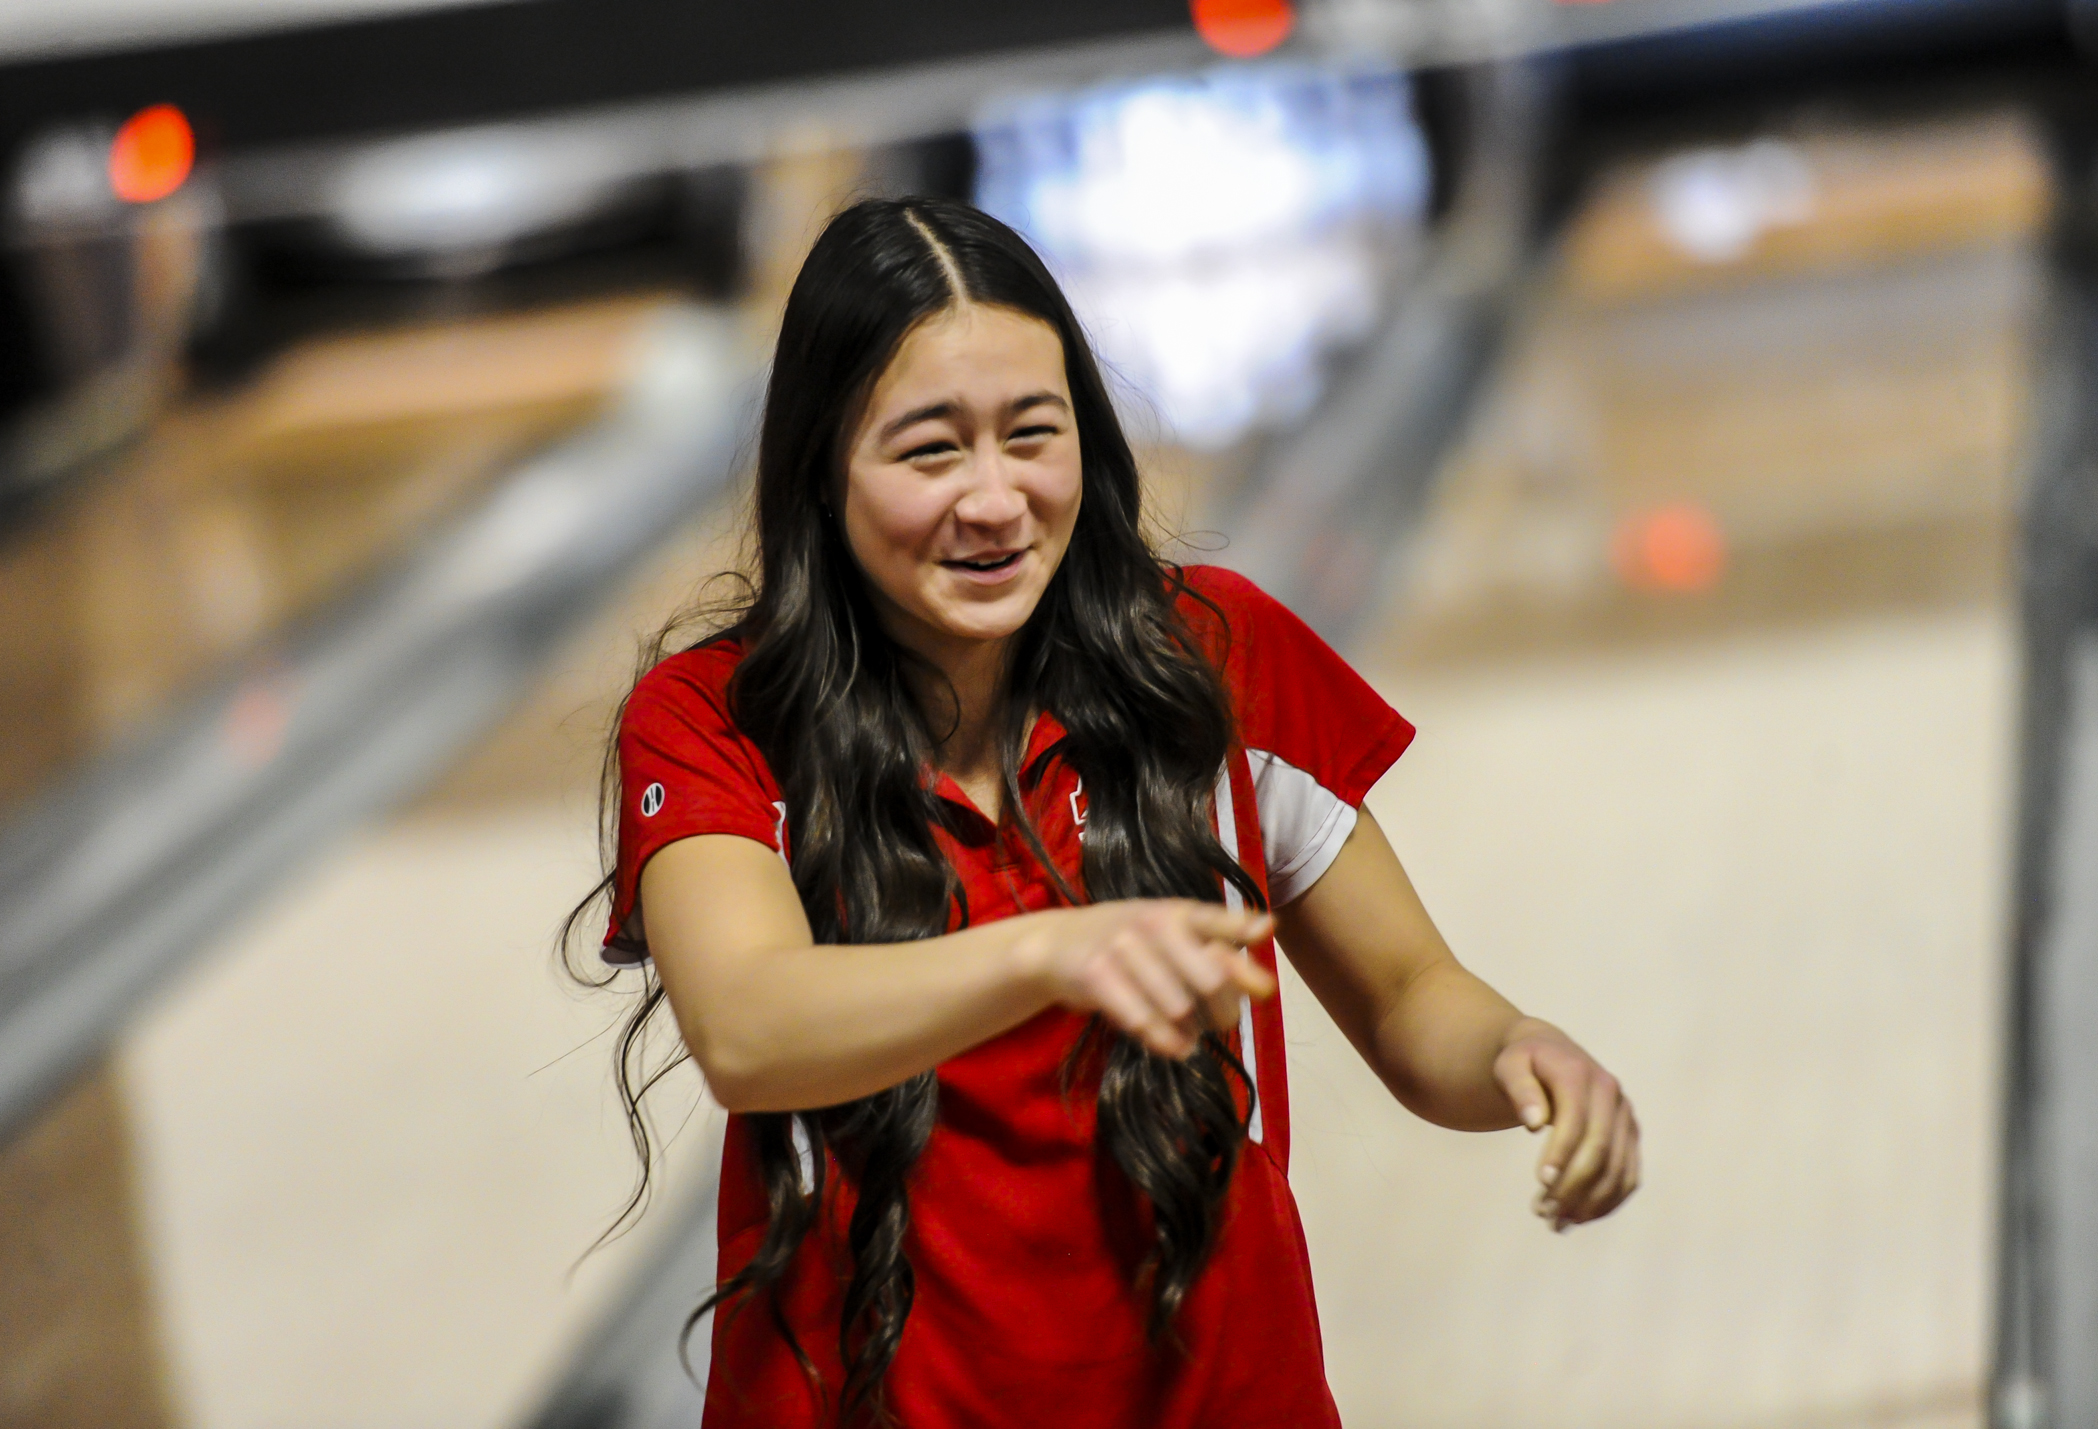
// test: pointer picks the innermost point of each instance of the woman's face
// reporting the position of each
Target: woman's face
(962, 482)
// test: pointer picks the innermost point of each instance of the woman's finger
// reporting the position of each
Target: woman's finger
(1627, 1150)
(1248, 977)
(1211, 920)
(1119, 999)
(1518, 1079)
(1609, 1187)
(1578, 1177)
(1220, 1007)
(1198, 960)
(1150, 967)
(1569, 1106)
(1233, 969)
(1161, 987)
(1216, 973)
(1220, 937)
(1628, 1181)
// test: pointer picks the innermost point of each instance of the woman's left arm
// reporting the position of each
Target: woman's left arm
(1451, 1048)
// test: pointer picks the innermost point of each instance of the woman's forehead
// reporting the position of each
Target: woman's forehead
(976, 353)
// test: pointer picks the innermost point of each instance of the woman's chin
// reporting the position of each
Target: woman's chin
(999, 618)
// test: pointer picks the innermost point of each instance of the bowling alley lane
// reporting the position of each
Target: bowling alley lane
(246, 510)
(417, 1098)
(1710, 635)
(372, 1133)
(242, 516)
(1708, 629)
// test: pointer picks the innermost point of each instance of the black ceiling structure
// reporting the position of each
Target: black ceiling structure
(477, 63)
(457, 66)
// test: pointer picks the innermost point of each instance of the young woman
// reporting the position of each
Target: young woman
(961, 857)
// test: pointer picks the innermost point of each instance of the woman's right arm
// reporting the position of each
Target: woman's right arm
(780, 1023)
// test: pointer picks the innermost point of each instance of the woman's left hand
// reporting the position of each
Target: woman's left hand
(1591, 1159)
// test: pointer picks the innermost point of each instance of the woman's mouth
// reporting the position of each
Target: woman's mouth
(987, 567)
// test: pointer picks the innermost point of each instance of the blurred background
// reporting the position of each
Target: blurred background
(1681, 409)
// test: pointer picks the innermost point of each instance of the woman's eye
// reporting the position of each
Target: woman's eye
(1032, 434)
(929, 449)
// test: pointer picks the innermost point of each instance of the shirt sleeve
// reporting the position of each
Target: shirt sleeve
(1316, 735)
(684, 770)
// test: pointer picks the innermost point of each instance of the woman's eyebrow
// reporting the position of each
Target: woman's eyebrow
(939, 410)
(1035, 399)
(915, 416)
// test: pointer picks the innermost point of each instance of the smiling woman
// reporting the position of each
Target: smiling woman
(961, 851)
(960, 497)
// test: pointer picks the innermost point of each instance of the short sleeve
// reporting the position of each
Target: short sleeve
(1316, 735)
(684, 769)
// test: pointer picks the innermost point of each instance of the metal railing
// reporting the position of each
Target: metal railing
(1329, 505)
(2046, 1370)
(112, 880)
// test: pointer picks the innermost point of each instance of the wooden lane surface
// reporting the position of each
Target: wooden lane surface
(242, 512)
(375, 1131)
(1749, 841)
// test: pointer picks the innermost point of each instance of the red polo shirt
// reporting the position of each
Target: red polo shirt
(1021, 1236)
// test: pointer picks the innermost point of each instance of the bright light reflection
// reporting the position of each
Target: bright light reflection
(1220, 234)
(471, 189)
(1716, 204)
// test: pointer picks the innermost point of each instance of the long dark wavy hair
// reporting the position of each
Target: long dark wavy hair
(827, 697)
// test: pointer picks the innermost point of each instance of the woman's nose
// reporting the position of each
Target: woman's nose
(993, 498)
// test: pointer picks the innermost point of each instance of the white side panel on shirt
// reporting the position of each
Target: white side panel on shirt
(1302, 823)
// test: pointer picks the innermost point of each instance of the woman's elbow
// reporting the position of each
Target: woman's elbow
(752, 1059)
(737, 1097)
(734, 1078)
(739, 1077)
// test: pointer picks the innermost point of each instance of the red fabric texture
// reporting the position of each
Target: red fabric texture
(1024, 1235)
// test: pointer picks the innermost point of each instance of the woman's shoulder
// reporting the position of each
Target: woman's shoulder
(1223, 606)
(1297, 700)
(1220, 584)
(679, 725)
(692, 683)
(1254, 639)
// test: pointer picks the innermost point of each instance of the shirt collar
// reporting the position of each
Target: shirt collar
(1042, 740)
(1048, 732)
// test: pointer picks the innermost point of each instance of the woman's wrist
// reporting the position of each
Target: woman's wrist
(1030, 956)
(1523, 1028)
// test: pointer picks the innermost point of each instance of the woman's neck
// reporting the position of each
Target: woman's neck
(968, 706)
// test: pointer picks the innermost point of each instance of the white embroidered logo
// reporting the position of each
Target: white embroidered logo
(1078, 809)
(651, 800)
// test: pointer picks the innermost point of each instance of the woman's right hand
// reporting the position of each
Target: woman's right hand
(1163, 970)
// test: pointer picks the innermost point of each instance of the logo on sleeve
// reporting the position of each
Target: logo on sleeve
(651, 800)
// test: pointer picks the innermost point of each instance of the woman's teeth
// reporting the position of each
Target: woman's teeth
(994, 563)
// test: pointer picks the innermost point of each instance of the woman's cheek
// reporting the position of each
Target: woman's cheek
(901, 518)
(1065, 486)
(919, 516)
